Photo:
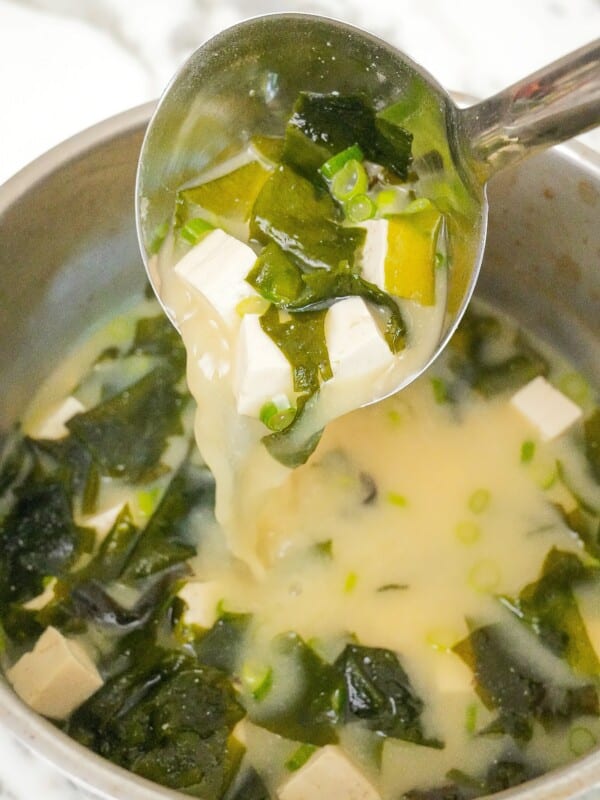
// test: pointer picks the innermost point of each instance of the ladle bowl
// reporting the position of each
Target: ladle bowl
(245, 80)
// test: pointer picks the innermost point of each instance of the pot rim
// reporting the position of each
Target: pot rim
(89, 770)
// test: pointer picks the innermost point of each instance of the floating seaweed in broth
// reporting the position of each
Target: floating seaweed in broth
(394, 642)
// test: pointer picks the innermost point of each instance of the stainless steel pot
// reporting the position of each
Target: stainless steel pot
(68, 254)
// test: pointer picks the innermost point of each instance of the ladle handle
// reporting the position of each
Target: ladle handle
(554, 104)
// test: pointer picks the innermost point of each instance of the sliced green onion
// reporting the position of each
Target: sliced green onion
(257, 679)
(336, 162)
(349, 181)
(418, 205)
(471, 718)
(147, 500)
(467, 531)
(440, 390)
(527, 451)
(277, 414)
(440, 260)
(575, 387)
(394, 416)
(442, 639)
(485, 576)
(324, 549)
(299, 757)
(396, 499)
(160, 234)
(360, 208)
(581, 740)
(252, 305)
(195, 229)
(479, 501)
(350, 582)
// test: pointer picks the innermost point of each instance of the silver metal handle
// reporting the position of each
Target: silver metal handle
(554, 104)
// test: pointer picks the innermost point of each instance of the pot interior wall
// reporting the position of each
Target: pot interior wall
(69, 254)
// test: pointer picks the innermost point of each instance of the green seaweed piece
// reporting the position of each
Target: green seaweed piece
(167, 538)
(291, 212)
(127, 434)
(221, 646)
(324, 124)
(156, 336)
(38, 537)
(506, 683)
(248, 786)
(168, 719)
(378, 692)
(310, 713)
(548, 606)
(469, 361)
(301, 338)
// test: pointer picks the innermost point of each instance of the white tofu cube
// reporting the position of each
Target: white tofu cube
(103, 521)
(217, 267)
(549, 410)
(355, 343)
(202, 599)
(261, 371)
(327, 775)
(41, 600)
(53, 426)
(375, 251)
(56, 677)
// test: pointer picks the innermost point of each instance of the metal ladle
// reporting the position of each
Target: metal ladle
(245, 80)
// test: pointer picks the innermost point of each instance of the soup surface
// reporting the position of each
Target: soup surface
(420, 617)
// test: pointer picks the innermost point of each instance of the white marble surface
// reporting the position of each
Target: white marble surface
(66, 64)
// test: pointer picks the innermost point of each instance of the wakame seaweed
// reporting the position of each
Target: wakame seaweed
(470, 360)
(168, 719)
(303, 221)
(506, 683)
(127, 433)
(377, 691)
(324, 124)
(548, 606)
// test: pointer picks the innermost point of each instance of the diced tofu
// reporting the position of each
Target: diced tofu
(549, 410)
(53, 426)
(261, 371)
(355, 344)
(217, 267)
(328, 774)
(202, 599)
(104, 520)
(56, 677)
(375, 251)
(41, 600)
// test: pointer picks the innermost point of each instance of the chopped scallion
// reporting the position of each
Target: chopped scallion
(350, 582)
(544, 473)
(581, 740)
(396, 499)
(195, 229)
(360, 208)
(277, 414)
(575, 387)
(479, 501)
(299, 757)
(147, 500)
(252, 305)
(527, 451)
(351, 180)
(257, 679)
(485, 576)
(418, 205)
(467, 531)
(440, 390)
(336, 162)
(471, 718)
(160, 234)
